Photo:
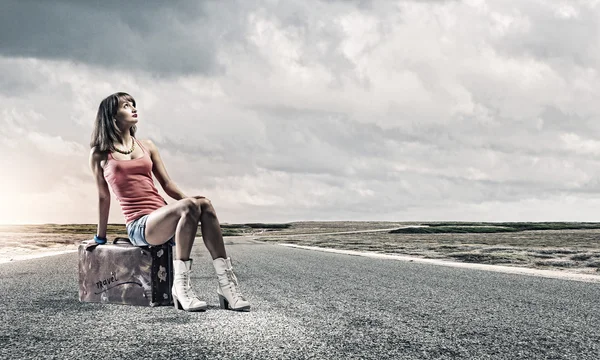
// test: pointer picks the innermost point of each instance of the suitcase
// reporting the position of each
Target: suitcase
(120, 273)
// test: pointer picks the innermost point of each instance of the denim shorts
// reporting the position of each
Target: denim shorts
(136, 230)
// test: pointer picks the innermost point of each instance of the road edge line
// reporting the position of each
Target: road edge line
(22, 257)
(554, 274)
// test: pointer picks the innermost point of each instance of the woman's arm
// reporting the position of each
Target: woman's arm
(159, 170)
(103, 192)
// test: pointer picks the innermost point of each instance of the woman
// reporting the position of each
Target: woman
(126, 164)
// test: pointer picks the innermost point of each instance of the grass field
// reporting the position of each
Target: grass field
(571, 247)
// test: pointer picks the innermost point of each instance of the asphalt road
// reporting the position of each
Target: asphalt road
(306, 305)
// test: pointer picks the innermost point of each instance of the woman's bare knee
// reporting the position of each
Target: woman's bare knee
(205, 206)
(162, 223)
(190, 208)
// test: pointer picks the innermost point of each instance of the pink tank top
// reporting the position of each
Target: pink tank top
(131, 182)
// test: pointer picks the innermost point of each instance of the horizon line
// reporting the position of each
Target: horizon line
(328, 221)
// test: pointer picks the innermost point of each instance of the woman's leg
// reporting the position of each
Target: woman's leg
(182, 219)
(211, 229)
(179, 219)
(229, 296)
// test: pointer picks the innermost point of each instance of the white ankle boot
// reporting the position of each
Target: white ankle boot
(229, 296)
(183, 295)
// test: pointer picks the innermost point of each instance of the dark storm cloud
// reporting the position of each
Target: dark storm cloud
(159, 37)
(166, 38)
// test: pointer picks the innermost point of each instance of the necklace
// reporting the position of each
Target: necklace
(130, 150)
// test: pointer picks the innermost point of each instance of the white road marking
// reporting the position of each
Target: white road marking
(555, 274)
(20, 257)
(343, 232)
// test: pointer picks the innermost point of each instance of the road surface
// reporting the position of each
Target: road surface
(306, 305)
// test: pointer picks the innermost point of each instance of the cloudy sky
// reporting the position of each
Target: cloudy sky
(311, 110)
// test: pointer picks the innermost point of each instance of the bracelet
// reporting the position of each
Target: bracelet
(99, 240)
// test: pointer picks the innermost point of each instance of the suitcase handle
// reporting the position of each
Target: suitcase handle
(116, 240)
(91, 246)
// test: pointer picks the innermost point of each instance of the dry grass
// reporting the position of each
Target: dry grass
(573, 250)
(571, 246)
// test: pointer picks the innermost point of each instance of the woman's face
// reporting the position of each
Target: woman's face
(127, 113)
